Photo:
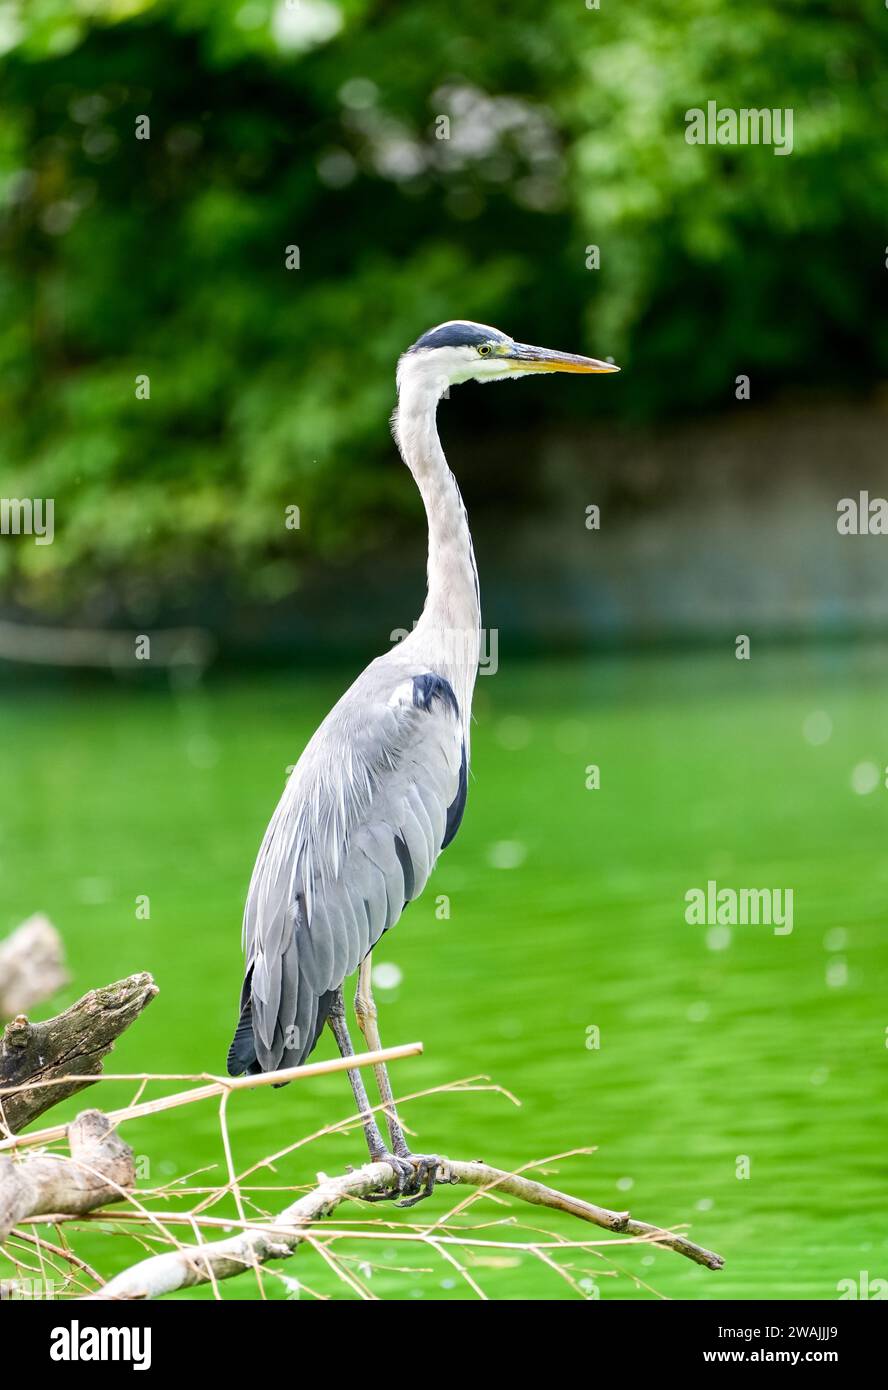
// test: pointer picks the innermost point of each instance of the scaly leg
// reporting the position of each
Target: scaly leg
(404, 1170)
(426, 1165)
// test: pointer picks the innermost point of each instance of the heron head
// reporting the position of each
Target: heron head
(462, 351)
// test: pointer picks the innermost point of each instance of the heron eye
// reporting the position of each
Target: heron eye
(484, 350)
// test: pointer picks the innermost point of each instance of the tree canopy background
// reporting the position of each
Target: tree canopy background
(318, 125)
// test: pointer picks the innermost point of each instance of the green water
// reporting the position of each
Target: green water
(566, 914)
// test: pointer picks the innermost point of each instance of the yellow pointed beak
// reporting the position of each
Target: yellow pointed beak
(536, 359)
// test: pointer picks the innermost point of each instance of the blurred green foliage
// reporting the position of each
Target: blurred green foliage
(316, 123)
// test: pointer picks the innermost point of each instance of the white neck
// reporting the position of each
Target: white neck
(448, 631)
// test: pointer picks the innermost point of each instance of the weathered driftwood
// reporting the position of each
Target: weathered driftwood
(223, 1259)
(32, 966)
(70, 1045)
(100, 1170)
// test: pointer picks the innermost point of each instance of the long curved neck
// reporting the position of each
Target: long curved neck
(449, 627)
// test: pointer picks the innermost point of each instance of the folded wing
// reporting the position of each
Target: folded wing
(377, 794)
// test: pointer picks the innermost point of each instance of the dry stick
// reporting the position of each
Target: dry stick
(516, 1172)
(224, 1259)
(375, 1229)
(61, 1251)
(221, 1087)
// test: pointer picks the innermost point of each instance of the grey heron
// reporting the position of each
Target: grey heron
(380, 788)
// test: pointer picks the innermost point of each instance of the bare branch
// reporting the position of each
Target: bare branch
(224, 1259)
(49, 1187)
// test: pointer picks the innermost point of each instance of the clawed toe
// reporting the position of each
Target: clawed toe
(405, 1177)
(415, 1176)
(425, 1169)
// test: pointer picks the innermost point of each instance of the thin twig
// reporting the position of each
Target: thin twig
(218, 1087)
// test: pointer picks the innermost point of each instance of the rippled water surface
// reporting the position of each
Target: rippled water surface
(686, 1056)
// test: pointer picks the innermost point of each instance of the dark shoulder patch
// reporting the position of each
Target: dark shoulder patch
(457, 335)
(429, 687)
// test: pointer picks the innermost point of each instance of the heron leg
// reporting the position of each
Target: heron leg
(379, 1153)
(426, 1165)
(366, 1015)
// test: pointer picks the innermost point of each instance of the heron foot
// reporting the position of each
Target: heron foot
(415, 1176)
(404, 1176)
(425, 1176)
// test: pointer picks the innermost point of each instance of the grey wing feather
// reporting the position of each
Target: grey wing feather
(355, 836)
